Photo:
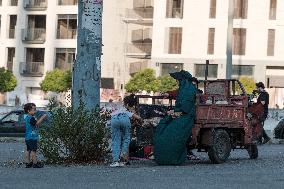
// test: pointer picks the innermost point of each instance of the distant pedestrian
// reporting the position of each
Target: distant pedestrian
(31, 135)
(120, 132)
(263, 98)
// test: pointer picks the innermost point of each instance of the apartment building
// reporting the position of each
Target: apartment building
(37, 36)
(186, 33)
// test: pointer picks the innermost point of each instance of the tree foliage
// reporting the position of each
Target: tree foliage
(143, 81)
(57, 81)
(147, 81)
(167, 83)
(8, 81)
(248, 84)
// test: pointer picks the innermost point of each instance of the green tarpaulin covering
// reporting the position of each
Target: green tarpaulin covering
(171, 134)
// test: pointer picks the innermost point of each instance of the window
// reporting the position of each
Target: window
(272, 9)
(0, 2)
(239, 41)
(173, 40)
(34, 65)
(270, 42)
(67, 2)
(107, 83)
(200, 70)
(65, 58)
(211, 39)
(10, 58)
(212, 13)
(174, 9)
(167, 68)
(240, 9)
(242, 70)
(12, 118)
(67, 26)
(12, 26)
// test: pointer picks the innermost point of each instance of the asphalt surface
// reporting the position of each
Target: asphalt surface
(238, 172)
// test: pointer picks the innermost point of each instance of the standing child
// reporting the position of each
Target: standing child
(120, 132)
(31, 135)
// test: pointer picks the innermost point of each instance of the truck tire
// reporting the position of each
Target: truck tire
(252, 151)
(220, 149)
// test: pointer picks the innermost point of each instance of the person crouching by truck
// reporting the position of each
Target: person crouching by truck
(120, 131)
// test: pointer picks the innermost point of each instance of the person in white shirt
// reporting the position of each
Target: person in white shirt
(120, 131)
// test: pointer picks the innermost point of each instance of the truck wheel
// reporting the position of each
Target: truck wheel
(252, 151)
(221, 147)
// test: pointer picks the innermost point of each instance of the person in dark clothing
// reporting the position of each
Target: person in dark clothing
(172, 132)
(263, 98)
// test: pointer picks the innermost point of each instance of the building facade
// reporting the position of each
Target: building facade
(167, 35)
(186, 33)
(38, 36)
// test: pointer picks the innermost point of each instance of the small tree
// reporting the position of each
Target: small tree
(57, 81)
(8, 81)
(143, 81)
(248, 84)
(167, 83)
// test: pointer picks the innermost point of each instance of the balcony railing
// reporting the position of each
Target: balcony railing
(141, 15)
(175, 13)
(143, 3)
(11, 33)
(63, 65)
(67, 34)
(137, 66)
(139, 49)
(141, 35)
(10, 66)
(32, 69)
(34, 35)
(35, 4)
(13, 2)
(67, 2)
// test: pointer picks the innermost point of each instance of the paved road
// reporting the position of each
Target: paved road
(238, 173)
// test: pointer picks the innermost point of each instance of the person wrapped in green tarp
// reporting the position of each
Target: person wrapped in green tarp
(172, 133)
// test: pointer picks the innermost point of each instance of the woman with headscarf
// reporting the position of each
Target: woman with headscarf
(173, 131)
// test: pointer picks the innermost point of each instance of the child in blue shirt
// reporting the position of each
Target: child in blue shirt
(31, 135)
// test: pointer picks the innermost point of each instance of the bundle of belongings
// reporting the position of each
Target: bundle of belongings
(173, 131)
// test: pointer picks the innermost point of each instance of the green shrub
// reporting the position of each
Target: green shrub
(75, 136)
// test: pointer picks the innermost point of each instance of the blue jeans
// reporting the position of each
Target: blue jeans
(120, 134)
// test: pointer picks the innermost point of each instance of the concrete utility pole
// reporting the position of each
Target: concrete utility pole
(87, 68)
(229, 39)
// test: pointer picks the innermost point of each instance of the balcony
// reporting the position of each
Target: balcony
(135, 67)
(67, 34)
(142, 35)
(32, 69)
(34, 35)
(35, 5)
(141, 50)
(140, 16)
(143, 4)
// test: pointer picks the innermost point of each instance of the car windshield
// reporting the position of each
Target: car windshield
(13, 117)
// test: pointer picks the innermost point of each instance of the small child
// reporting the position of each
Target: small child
(31, 135)
(120, 132)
